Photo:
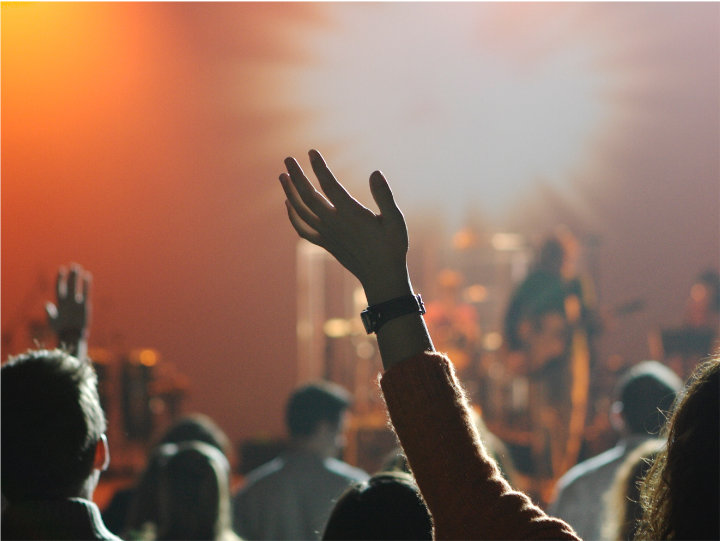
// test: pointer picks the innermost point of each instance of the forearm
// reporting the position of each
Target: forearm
(459, 481)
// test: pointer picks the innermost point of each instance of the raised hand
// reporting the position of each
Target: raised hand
(70, 316)
(371, 246)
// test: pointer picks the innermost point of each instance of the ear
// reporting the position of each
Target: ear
(102, 454)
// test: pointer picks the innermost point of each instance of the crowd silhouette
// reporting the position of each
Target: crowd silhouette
(661, 481)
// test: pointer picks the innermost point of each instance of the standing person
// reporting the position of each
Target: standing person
(194, 494)
(53, 430)
(291, 496)
(462, 486)
(643, 394)
(549, 330)
(130, 508)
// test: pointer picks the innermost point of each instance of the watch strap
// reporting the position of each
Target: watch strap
(375, 316)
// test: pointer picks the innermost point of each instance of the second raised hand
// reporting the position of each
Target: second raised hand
(371, 246)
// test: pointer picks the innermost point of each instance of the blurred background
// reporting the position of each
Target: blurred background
(144, 141)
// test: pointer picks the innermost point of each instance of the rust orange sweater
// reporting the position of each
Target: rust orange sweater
(461, 484)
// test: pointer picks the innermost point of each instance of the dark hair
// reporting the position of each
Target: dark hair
(51, 423)
(197, 427)
(647, 392)
(681, 492)
(313, 403)
(193, 493)
(387, 506)
(143, 509)
(551, 254)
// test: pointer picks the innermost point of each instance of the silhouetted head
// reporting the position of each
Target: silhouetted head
(681, 492)
(193, 493)
(551, 255)
(197, 427)
(313, 404)
(387, 506)
(52, 423)
(645, 394)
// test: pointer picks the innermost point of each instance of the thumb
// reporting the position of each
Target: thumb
(383, 196)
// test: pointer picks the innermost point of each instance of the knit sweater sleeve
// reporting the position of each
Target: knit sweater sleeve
(461, 484)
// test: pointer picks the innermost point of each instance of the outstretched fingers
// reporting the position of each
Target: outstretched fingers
(86, 282)
(334, 191)
(313, 199)
(383, 196)
(301, 227)
(297, 203)
(61, 286)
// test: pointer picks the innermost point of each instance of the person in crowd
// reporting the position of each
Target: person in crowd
(124, 513)
(194, 494)
(461, 485)
(387, 506)
(622, 500)
(644, 395)
(53, 429)
(680, 495)
(549, 328)
(291, 496)
(702, 309)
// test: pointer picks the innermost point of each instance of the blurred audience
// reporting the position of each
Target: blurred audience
(643, 394)
(680, 494)
(53, 429)
(291, 496)
(121, 513)
(387, 506)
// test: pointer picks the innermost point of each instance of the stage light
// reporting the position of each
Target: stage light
(337, 328)
(458, 125)
(148, 357)
(507, 242)
(475, 294)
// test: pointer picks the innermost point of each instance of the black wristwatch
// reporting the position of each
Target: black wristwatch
(374, 317)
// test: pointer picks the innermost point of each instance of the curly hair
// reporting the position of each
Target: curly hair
(680, 491)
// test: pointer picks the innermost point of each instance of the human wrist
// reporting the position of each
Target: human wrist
(387, 286)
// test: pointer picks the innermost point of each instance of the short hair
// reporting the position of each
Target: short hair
(647, 392)
(314, 403)
(51, 423)
(551, 254)
(387, 506)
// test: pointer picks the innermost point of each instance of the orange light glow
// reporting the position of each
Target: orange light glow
(148, 357)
